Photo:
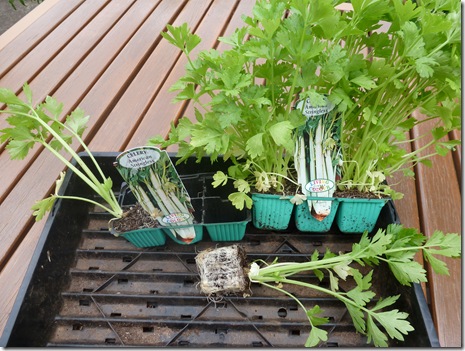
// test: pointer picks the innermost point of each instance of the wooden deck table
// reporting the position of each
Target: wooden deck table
(108, 58)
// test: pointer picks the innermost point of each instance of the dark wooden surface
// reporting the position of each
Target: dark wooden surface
(108, 58)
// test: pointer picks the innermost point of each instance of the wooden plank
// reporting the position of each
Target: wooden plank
(119, 75)
(37, 59)
(440, 209)
(17, 42)
(145, 86)
(46, 168)
(52, 75)
(13, 275)
(162, 109)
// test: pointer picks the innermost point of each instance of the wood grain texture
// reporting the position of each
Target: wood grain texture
(108, 58)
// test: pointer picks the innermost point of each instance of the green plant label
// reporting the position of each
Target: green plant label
(154, 181)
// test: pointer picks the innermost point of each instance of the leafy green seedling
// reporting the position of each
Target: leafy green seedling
(41, 124)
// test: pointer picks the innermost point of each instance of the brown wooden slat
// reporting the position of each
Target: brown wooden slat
(440, 209)
(49, 17)
(457, 156)
(51, 76)
(162, 109)
(49, 47)
(12, 276)
(46, 168)
(145, 86)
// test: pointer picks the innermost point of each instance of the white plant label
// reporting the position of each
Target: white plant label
(308, 110)
(139, 157)
(319, 185)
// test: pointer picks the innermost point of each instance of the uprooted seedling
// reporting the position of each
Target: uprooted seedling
(223, 271)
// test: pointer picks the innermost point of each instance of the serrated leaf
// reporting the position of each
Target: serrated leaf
(375, 334)
(219, 179)
(395, 323)
(254, 145)
(53, 106)
(408, 272)
(18, 149)
(242, 185)
(239, 200)
(41, 207)
(281, 133)
(365, 82)
(77, 121)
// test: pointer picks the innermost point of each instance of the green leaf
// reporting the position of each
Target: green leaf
(365, 82)
(219, 179)
(395, 323)
(408, 272)
(7, 96)
(53, 106)
(28, 93)
(242, 186)
(281, 133)
(77, 121)
(41, 207)
(316, 334)
(18, 149)
(375, 334)
(424, 66)
(239, 200)
(254, 146)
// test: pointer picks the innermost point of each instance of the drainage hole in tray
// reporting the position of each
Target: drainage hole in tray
(94, 268)
(294, 332)
(189, 282)
(186, 316)
(87, 290)
(221, 331)
(154, 292)
(78, 326)
(115, 314)
(84, 302)
(183, 343)
(157, 269)
(123, 281)
(127, 259)
(190, 260)
(282, 312)
(152, 304)
(110, 341)
(257, 344)
(258, 317)
(332, 344)
(147, 329)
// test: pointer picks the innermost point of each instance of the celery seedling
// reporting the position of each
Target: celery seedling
(160, 192)
(41, 124)
(396, 246)
(318, 154)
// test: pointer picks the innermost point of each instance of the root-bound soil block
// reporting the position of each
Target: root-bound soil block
(85, 287)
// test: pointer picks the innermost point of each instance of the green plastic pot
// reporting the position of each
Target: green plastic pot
(358, 215)
(272, 212)
(305, 222)
(145, 237)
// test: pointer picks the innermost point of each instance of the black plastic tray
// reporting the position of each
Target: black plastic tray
(85, 287)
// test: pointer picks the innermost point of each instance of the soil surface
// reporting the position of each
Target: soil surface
(355, 194)
(134, 218)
